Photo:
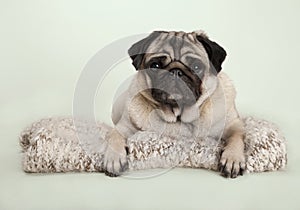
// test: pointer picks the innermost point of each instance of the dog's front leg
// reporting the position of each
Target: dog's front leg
(115, 156)
(232, 161)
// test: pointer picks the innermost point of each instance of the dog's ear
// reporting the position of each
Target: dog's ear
(139, 49)
(215, 52)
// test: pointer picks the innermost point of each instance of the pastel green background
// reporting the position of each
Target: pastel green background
(46, 44)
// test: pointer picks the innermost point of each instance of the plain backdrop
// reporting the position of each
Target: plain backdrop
(46, 44)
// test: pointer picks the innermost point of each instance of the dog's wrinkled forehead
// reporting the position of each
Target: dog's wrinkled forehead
(177, 46)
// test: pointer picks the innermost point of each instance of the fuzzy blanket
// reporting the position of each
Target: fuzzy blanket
(57, 145)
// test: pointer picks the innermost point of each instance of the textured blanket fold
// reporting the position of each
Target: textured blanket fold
(57, 145)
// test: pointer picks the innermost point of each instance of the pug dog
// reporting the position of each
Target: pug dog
(179, 91)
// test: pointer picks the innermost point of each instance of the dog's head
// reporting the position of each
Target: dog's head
(177, 64)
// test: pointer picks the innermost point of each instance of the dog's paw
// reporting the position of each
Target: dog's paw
(232, 163)
(115, 156)
(115, 161)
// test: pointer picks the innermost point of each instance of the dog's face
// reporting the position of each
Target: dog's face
(177, 64)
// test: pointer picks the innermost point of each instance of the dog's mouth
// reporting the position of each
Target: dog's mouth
(174, 97)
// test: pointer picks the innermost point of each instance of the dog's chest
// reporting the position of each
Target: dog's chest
(200, 128)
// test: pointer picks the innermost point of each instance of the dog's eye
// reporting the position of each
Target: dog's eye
(197, 67)
(155, 65)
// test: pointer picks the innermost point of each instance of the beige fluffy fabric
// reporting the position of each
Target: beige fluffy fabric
(57, 145)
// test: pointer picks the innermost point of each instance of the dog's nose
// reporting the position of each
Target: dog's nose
(176, 72)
